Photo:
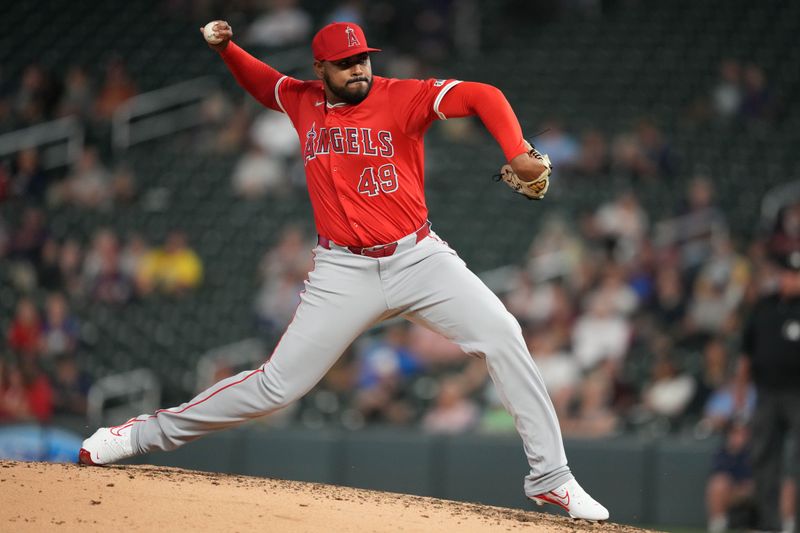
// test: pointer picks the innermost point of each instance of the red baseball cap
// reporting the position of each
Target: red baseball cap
(339, 40)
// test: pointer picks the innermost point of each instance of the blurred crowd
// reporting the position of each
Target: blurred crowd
(42, 94)
(742, 94)
(104, 270)
(41, 372)
(41, 376)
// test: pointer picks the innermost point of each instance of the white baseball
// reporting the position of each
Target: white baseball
(211, 36)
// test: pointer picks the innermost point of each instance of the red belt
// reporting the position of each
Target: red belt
(381, 250)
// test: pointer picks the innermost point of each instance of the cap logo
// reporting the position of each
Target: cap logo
(352, 40)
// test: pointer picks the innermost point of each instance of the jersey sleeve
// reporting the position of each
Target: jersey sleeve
(271, 88)
(490, 105)
(415, 103)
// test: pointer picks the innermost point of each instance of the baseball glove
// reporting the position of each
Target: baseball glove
(533, 190)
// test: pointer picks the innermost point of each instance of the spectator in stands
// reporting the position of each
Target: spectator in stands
(644, 153)
(104, 244)
(25, 331)
(621, 225)
(615, 290)
(388, 358)
(48, 272)
(726, 404)
(730, 484)
(433, 348)
(134, 252)
(5, 238)
(89, 183)
(700, 219)
(276, 301)
(669, 392)
(730, 490)
(628, 158)
(639, 273)
(785, 235)
(453, 411)
(173, 269)
(555, 252)
(600, 334)
(122, 185)
(281, 274)
(37, 390)
(70, 260)
(758, 103)
(727, 94)
(13, 401)
(29, 179)
(60, 331)
(257, 174)
(384, 369)
(562, 147)
(713, 376)
(231, 128)
(111, 286)
(728, 264)
(542, 305)
(669, 302)
(719, 289)
(105, 281)
(656, 149)
(290, 254)
(26, 394)
(70, 387)
(593, 158)
(6, 186)
(117, 88)
(6, 114)
(36, 96)
(595, 416)
(27, 240)
(282, 23)
(274, 134)
(78, 95)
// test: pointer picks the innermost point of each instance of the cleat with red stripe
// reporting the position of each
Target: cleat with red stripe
(85, 458)
(108, 445)
(574, 500)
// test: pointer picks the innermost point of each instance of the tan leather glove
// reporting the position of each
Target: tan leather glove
(533, 190)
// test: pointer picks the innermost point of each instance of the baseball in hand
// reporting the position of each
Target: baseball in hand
(211, 36)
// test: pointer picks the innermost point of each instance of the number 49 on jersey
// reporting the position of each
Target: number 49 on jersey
(383, 180)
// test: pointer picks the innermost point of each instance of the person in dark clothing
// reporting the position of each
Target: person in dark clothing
(771, 358)
(730, 484)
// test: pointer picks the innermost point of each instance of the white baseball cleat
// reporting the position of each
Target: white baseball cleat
(574, 500)
(107, 445)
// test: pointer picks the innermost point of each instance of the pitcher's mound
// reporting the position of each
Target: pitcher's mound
(63, 497)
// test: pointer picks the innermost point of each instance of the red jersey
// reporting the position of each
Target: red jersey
(365, 163)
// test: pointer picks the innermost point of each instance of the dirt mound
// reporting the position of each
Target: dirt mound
(64, 497)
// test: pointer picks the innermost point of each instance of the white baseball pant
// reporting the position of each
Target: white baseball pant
(344, 295)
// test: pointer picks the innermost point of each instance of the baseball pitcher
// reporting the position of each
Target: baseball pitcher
(377, 257)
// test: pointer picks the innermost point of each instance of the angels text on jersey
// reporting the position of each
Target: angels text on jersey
(347, 140)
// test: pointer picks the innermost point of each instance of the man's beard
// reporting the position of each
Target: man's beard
(349, 94)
